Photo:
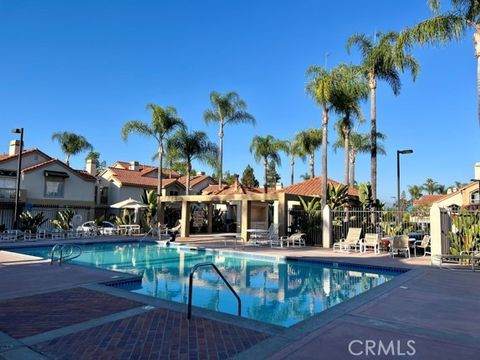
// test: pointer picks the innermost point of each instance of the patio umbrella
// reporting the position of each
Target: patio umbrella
(130, 204)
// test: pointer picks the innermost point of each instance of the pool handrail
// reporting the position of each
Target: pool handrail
(63, 257)
(190, 287)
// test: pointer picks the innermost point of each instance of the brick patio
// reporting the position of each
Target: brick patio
(157, 334)
(31, 315)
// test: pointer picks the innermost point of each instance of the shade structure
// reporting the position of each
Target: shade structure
(129, 204)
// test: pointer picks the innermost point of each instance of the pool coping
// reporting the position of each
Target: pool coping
(280, 337)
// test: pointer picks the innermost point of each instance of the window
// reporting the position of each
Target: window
(173, 193)
(7, 183)
(103, 195)
(475, 197)
(54, 186)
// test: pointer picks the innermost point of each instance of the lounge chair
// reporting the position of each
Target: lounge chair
(267, 238)
(371, 241)
(422, 244)
(297, 239)
(401, 244)
(351, 241)
(465, 258)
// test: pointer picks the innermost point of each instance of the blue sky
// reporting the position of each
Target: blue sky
(89, 66)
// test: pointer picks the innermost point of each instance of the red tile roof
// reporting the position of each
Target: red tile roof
(81, 173)
(194, 180)
(429, 199)
(146, 169)
(136, 178)
(312, 187)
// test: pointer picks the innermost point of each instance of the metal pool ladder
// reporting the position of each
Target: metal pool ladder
(65, 251)
(190, 287)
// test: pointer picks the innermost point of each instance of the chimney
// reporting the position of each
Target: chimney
(201, 173)
(450, 190)
(278, 186)
(133, 165)
(477, 171)
(236, 183)
(14, 148)
(91, 167)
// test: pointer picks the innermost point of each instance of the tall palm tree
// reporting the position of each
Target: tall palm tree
(430, 186)
(164, 121)
(226, 109)
(359, 144)
(348, 106)
(415, 191)
(192, 146)
(381, 60)
(71, 144)
(463, 16)
(293, 150)
(309, 141)
(267, 149)
(320, 88)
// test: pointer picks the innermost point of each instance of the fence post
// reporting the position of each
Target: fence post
(436, 232)
(326, 227)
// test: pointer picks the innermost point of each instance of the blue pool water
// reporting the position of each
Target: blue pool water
(275, 291)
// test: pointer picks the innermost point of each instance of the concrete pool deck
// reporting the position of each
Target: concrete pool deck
(437, 309)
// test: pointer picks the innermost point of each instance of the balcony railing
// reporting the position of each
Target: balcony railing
(7, 194)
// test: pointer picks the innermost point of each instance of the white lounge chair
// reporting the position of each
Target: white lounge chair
(351, 241)
(371, 241)
(422, 244)
(401, 244)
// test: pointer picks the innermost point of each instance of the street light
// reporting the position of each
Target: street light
(19, 168)
(400, 152)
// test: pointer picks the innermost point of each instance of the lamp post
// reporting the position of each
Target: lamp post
(19, 168)
(400, 152)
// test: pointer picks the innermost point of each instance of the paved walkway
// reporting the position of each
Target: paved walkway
(59, 313)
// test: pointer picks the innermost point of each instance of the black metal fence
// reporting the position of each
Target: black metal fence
(309, 223)
(385, 223)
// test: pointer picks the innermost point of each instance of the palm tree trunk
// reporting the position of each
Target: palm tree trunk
(220, 155)
(170, 175)
(160, 183)
(292, 170)
(476, 41)
(312, 164)
(352, 168)
(67, 159)
(324, 155)
(265, 169)
(346, 159)
(373, 135)
(187, 182)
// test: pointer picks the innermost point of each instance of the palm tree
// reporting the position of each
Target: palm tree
(94, 156)
(348, 106)
(430, 186)
(192, 146)
(305, 176)
(164, 121)
(359, 144)
(309, 141)
(463, 16)
(267, 149)
(226, 109)
(415, 191)
(293, 150)
(71, 144)
(381, 60)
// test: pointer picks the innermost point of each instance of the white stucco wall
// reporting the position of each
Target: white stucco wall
(76, 189)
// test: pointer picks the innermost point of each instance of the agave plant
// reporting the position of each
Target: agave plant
(63, 219)
(124, 219)
(31, 222)
(149, 197)
(466, 232)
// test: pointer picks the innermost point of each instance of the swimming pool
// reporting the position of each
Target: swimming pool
(272, 290)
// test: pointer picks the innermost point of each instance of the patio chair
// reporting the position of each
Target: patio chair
(401, 244)
(371, 240)
(422, 244)
(296, 239)
(351, 241)
(269, 237)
